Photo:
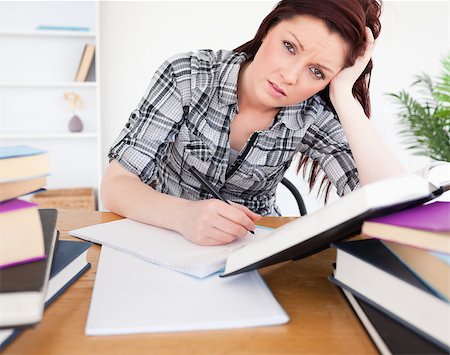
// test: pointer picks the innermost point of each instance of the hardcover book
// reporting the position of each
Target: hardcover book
(390, 336)
(340, 219)
(369, 270)
(86, 62)
(13, 189)
(21, 238)
(433, 268)
(23, 287)
(22, 162)
(426, 226)
(69, 263)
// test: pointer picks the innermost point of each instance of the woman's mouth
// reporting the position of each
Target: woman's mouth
(276, 90)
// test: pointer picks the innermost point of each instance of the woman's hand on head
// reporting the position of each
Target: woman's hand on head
(346, 78)
(213, 222)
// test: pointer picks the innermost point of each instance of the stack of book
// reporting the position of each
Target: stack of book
(398, 279)
(23, 170)
(29, 253)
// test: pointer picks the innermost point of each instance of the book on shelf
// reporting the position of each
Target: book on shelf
(336, 221)
(13, 189)
(426, 226)
(69, 263)
(162, 246)
(23, 287)
(62, 28)
(21, 162)
(22, 238)
(124, 300)
(390, 336)
(367, 269)
(86, 62)
(433, 268)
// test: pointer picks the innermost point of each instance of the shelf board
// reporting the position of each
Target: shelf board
(48, 33)
(70, 84)
(80, 135)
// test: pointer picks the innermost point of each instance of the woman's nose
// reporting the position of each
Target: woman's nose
(291, 73)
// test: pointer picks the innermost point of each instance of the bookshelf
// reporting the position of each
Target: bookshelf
(36, 68)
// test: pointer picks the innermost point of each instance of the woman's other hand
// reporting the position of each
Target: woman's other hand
(346, 78)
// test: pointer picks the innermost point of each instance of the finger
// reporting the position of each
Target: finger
(253, 216)
(364, 58)
(369, 36)
(370, 43)
(229, 227)
(236, 215)
(219, 237)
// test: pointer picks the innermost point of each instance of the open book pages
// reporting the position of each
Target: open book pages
(133, 296)
(437, 173)
(164, 247)
(338, 220)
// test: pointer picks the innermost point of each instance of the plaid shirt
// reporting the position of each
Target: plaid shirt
(184, 120)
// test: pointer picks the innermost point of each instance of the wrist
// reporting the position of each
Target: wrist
(344, 101)
(179, 212)
(341, 93)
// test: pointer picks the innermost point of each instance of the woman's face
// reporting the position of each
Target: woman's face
(297, 58)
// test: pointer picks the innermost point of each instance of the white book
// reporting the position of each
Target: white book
(133, 296)
(164, 247)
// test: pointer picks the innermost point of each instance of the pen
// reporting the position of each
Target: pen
(208, 186)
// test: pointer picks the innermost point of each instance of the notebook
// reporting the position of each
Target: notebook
(164, 247)
(133, 296)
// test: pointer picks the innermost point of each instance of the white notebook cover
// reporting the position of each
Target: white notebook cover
(133, 296)
(164, 247)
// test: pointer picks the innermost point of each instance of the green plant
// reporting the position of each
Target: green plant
(426, 121)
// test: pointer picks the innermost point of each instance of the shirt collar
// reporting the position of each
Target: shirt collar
(228, 77)
(294, 117)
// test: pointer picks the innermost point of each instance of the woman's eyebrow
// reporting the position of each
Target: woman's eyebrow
(303, 48)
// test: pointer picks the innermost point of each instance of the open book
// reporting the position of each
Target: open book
(340, 219)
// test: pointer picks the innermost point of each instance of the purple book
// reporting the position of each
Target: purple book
(433, 217)
(15, 204)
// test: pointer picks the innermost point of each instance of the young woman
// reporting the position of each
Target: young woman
(239, 117)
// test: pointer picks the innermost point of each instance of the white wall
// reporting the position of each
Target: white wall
(136, 37)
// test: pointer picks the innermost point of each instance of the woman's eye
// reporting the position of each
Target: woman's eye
(289, 47)
(317, 73)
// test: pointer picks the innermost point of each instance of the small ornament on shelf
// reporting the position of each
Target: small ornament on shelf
(75, 102)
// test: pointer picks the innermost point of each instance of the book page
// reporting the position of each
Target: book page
(437, 173)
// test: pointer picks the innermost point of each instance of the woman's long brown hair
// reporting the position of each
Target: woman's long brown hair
(348, 18)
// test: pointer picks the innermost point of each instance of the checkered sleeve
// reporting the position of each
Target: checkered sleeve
(153, 124)
(329, 146)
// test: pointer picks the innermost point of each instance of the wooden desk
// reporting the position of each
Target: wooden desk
(321, 321)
